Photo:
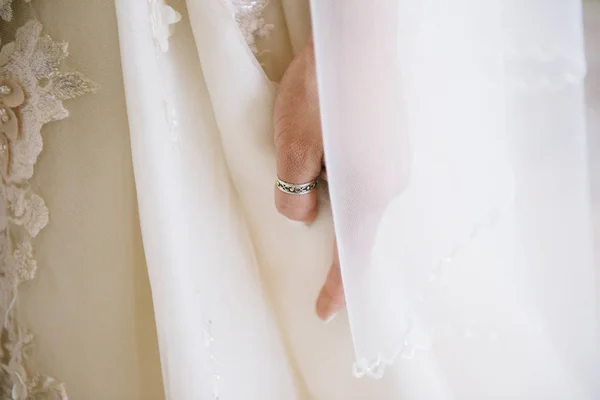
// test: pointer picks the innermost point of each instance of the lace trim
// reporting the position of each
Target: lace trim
(249, 16)
(6, 10)
(408, 347)
(32, 89)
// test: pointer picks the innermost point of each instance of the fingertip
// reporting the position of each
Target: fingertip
(327, 307)
(322, 306)
(331, 298)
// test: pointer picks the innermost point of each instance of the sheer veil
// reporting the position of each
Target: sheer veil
(456, 151)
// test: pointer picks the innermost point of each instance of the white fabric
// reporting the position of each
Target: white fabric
(234, 303)
(458, 168)
(204, 163)
(198, 250)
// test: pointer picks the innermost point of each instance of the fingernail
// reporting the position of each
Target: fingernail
(330, 318)
(300, 224)
(297, 223)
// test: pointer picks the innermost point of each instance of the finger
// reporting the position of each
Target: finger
(299, 148)
(297, 163)
(331, 298)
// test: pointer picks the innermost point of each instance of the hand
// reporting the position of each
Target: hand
(299, 147)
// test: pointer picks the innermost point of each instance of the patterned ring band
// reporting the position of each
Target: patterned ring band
(296, 190)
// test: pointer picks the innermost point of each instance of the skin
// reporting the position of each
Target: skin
(299, 149)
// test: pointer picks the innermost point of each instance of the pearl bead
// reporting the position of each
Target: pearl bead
(4, 115)
(6, 90)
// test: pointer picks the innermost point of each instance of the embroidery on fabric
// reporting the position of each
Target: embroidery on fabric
(6, 10)
(249, 16)
(32, 90)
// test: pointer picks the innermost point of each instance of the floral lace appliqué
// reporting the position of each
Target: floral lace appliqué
(32, 89)
(249, 16)
(6, 11)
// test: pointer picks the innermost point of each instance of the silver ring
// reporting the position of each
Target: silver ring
(296, 190)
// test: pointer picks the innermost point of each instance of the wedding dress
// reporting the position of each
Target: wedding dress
(174, 148)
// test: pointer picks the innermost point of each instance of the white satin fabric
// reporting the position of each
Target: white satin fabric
(217, 250)
(222, 262)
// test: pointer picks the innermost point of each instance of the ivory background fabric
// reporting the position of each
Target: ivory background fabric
(90, 305)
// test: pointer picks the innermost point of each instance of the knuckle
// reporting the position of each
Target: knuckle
(298, 159)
